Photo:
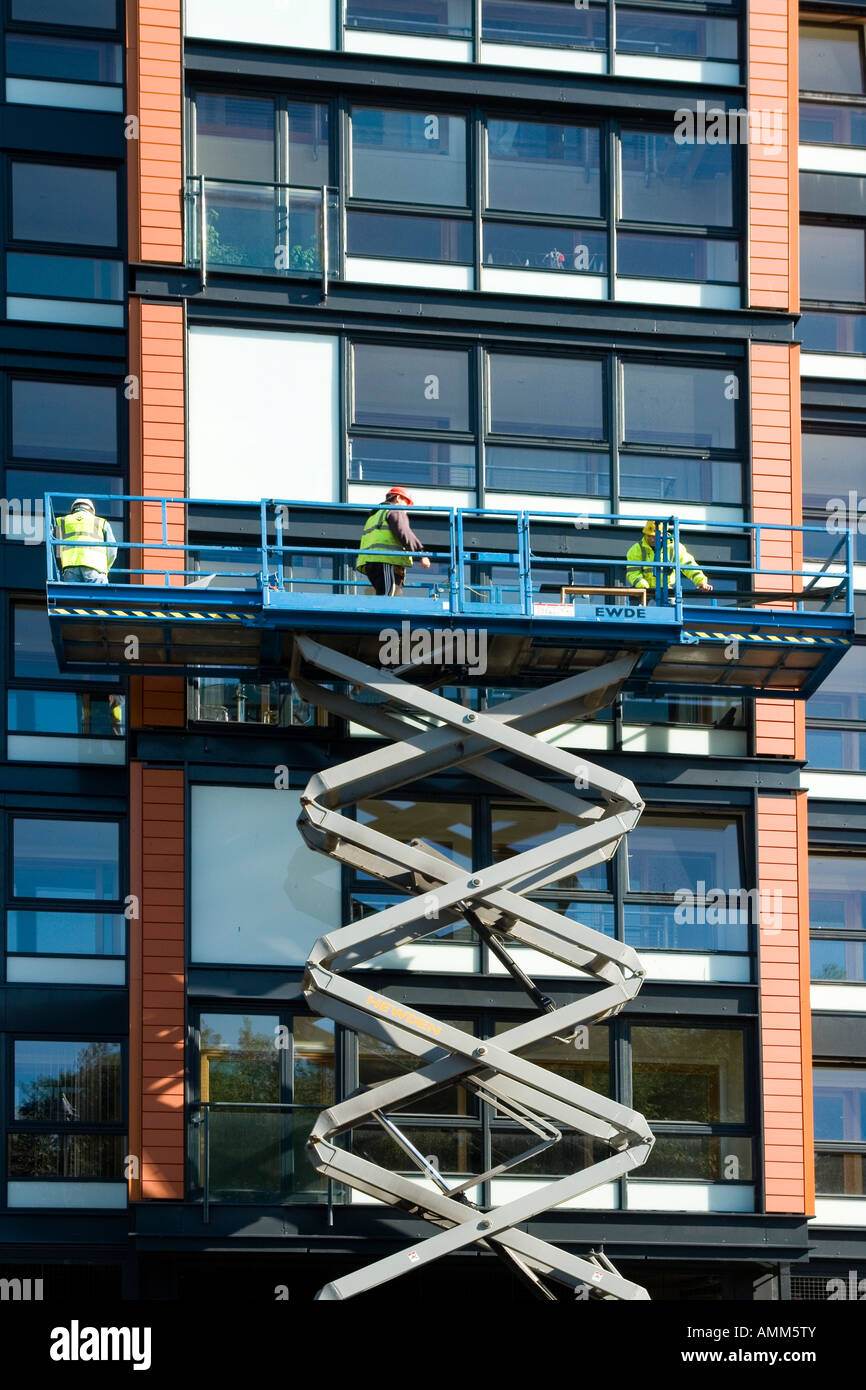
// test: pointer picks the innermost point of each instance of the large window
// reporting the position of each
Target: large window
(68, 422)
(840, 1130)
(263, 1079)
(66, 1129)
(79, 74)
(831, 59)
(836, 718)
(681, 435)
(64, 205)
(686, 885)
(837, 916)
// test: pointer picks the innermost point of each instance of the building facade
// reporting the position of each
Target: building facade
(508, 253)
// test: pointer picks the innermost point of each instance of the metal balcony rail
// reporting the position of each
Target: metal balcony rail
(264, 228)
(521, 572)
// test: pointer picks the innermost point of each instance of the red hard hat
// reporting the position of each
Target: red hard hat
(399, 492)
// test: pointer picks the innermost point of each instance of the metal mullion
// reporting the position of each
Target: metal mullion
(480, 420)
(555, 219)
(462, 214)
(477, 187)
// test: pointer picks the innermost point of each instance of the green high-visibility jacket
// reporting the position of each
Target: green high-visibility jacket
(84, 526)
(640, 577)
(379, 544)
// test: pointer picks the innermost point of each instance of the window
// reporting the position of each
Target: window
(843, 694)
(543, 170)
(822, 124)
(689, 1075)
(64, 289)
(696, 866)
(831, 59)
(297, 896)
(667, 184)
(411, 389)
(676, 34)
(214, 700)
(411, 158)
(262, 1081)
(832, 468)
(840, 1130)
(545, 23)
(520, 828)
(264, 162)
(59, 203)
(67, 1125)
(66, 859)
(64, 422)
(689, 407)
(80, 74)
(447, 18)
(832, 263)
(546, 399)
(92, 14)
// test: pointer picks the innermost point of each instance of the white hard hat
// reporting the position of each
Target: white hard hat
(84, 502)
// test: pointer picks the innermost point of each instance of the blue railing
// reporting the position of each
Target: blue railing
(507, 576)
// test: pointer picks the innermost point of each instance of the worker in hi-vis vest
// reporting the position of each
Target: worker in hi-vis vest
(386, 535)
(642, 576)
(81, 562)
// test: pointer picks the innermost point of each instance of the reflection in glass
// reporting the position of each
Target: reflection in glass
(66, 712)
(412, 388)
(832, 332)
(215, 700)
(837, 891)
(840, 1103)
(674, 35)
(62, 204)
(683, 185)
(832, 263)
(66, 1156)
(407, 238)
(546, 396)
(667, 853)
(832, 125)
(833, 466)
(698, 1156)
(66, 933)
(63, 277)
(421, 463)
(539, 168)
(678, 258)
(63, 421)
(843, 694)
(575, 250)
(668, 478)
(839, 750)
(838, 960)
(544, 22)
(831, 59)
(409, 157)
(66, 859)
(76, 60)
(661, 927)
(562, 472)
(72, 1082)
(451, 18)
(686, 406)
(691, 1075)
(520, 828)
(840, 1174)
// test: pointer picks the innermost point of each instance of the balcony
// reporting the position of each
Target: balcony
(263, 228)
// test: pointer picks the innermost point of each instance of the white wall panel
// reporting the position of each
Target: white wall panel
(278, 23)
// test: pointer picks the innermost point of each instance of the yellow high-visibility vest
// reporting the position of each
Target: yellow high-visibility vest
(83, 526)
(377, 536)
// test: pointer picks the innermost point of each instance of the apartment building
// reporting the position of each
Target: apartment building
(495, 251)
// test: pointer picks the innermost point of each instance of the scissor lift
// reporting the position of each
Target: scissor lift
(572, 653)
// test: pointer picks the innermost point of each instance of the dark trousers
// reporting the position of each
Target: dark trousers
(387, 580)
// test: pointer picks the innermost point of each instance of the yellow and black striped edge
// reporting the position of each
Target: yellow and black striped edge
(162, 613)
(766, 639)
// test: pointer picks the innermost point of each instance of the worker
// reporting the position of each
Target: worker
(386, 534)
(80, 561)
(642, 576)
(116, 711)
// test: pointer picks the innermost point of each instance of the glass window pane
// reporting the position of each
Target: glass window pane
(234, 137)
(406, 238)
(832, 195)
(64, 712)
(667, 853)
(275, 703)
(412, 388)
(546, 396)
(456, 1152)
(699, 1156)
(63, 277)
(551, 471)
(309, 145)
(831, 59)
(66, 859)
(689, 1074)
(76, 1082)
(55, 202)
(66, 1156)
(539, 168)
(26, 489)
(662, 35)
(56, 420)
(690, 927)
(586, 1065)
(687, 406)
(832, 125)
(838, 960)
(840, 1103)
(239, 1057)
(409, 157)
(77, 60)
(833, 466)
(313, 1051)
(665, 478)
(679, 184)
(543, 22)
(577, 250)
(446, 826)
(520, 828)
(66, 933)
(678, 258)
(33, 652)
(418, 462)
(452, 18)
(842, 750)
(380, 1061)
(840, 1174)
(832, 263)
(93, 14)
(837, 891)
(843, 693)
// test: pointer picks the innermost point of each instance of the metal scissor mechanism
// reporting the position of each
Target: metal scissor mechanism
(429, 735)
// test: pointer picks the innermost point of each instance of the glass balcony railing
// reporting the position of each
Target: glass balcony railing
(253, 1153)
(263, 228)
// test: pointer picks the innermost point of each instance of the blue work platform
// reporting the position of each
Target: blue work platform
(218, 586)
